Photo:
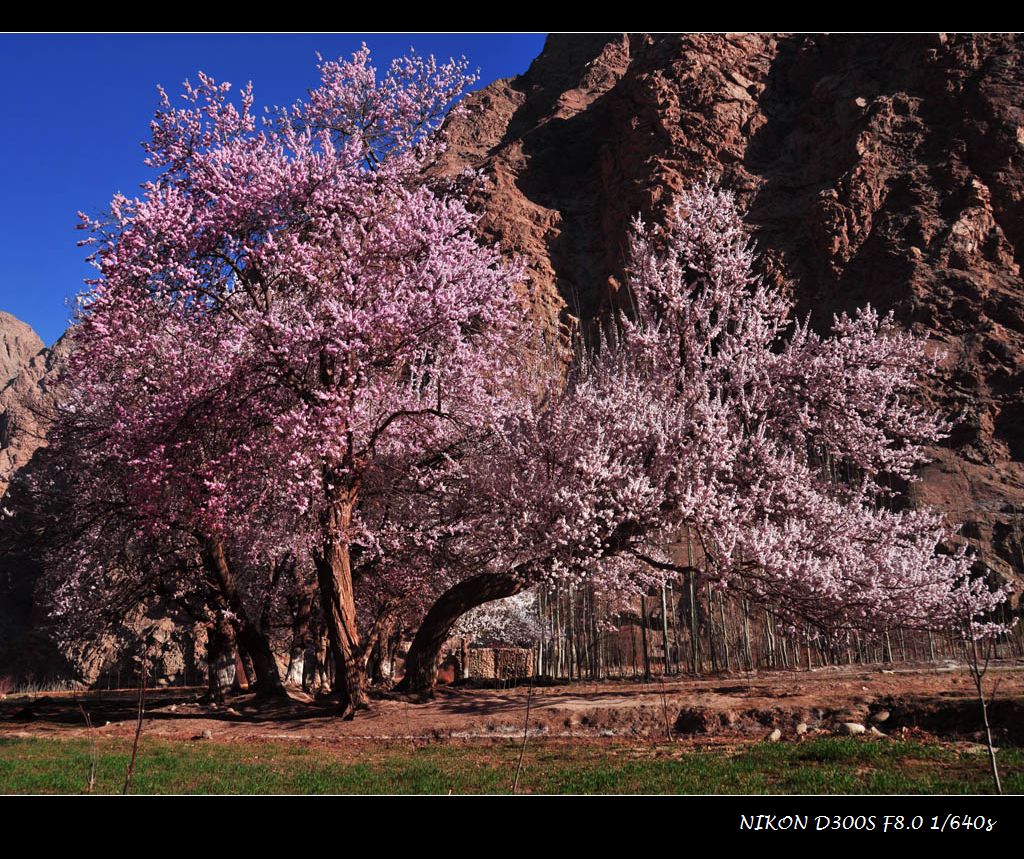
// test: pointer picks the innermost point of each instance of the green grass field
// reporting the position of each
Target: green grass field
(822, 765)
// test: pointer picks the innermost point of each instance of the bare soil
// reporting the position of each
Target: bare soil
(725, 708)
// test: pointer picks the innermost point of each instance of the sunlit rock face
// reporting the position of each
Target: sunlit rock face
(18, 344)
(27, 400)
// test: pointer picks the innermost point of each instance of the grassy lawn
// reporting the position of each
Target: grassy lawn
(821, 765)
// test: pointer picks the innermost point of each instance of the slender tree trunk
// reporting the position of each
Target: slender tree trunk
(555, 608)
(725, 629)
(770, 637)
(746, 637)
(711, 631)
(248, 635)
(588, 597)
(664, 628)
(978, 672)
(540, 643)
(643, 633)
(421, 663)
(676, 649)
(574, 652)
(694, 648)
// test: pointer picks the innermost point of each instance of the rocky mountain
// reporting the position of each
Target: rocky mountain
(18, 344)
(20, 348)
(27, 373)
(26, 401)
(881, 169)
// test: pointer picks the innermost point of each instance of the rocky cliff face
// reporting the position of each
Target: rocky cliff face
(881, 169)
(20, 349)
(26, 402)
(18, 344)
(26, 390)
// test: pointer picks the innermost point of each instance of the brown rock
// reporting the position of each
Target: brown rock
(26, 405)
(18, 345)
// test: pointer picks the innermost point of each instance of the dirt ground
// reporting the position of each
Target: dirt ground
(937, 700)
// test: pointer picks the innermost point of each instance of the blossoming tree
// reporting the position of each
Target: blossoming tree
(142, 449)
(358, 328)
(711, 412)
(298, 348)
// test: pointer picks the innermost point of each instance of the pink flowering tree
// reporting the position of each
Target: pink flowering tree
(348, 327)
(711, 412)
(143, 448)
(297, 350)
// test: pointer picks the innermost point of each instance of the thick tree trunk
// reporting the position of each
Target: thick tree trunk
(377, 642)
(245, 672)
(301, 606)
(334, 575)
(322, 669)
(296, 665)
(421, 663)
(248, 634)
(220, 657)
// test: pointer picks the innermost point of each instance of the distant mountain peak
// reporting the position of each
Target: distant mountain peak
(18, 345)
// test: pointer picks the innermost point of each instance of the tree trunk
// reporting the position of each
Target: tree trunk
(421, 663)
(746, 637)
(245, 672)
(337, 596)
(694, 638)
(300, 604)
(248, 634)
(220, 657)
(322, 669)
(643, 632)
(664, 630)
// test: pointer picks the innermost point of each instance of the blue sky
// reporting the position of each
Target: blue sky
(76, 108)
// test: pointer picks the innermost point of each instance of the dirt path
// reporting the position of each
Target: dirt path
(940, 701)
